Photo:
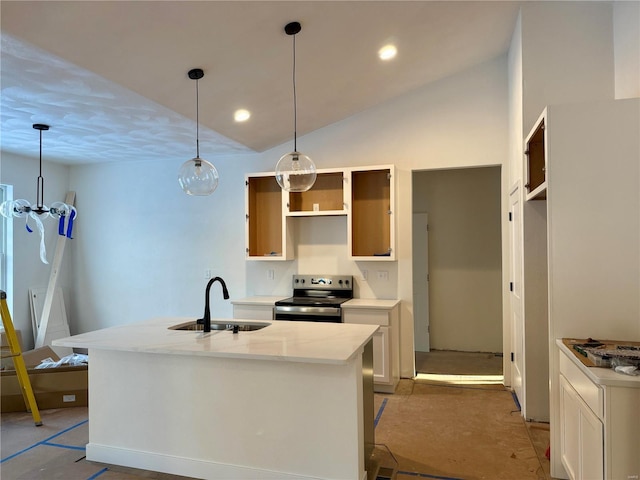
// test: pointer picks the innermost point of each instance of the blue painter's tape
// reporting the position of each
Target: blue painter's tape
(60, 445)
(515, 400)
(426, 475)
(384, 404)
(97, 474)
(42, 442)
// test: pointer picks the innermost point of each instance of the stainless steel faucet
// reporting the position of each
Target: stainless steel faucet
(206, 319)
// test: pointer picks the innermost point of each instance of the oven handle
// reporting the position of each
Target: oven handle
(319, 311)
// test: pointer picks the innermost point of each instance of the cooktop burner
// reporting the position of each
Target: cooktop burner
(312, 301)
(320, 290)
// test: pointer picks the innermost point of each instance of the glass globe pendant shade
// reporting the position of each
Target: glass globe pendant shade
(198, 177)
(295, 172)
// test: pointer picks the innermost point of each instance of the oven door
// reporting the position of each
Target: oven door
(307, 314)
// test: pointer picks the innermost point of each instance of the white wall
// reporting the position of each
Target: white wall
(567, 54)
(626, 37)
(144, 251)
(594, 240)
(465, 256)
(29, 271)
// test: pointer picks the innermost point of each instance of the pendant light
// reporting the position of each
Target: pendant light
(295, 172)
(21, 208)
(197, 176)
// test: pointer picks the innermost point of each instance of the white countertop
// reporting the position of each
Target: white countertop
(353, 303)
(600, 375)
(370, 303)
(307, 342)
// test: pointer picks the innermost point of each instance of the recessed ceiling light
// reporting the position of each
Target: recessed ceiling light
(387, 52)
(241, 115)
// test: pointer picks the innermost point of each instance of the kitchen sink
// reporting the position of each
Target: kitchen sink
(220, 325)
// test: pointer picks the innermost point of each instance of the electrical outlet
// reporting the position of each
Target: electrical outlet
(207, 274)
(365, 275)
(383, 275)
(271, 274)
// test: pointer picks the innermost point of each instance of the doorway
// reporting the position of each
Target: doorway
(458, 309)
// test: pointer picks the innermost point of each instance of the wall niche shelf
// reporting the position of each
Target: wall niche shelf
(535, 161)
(326, 197)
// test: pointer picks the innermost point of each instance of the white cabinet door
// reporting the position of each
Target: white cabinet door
(570, 429)
(591, 446)
(386, 362)
(581, 434)
(381, 361)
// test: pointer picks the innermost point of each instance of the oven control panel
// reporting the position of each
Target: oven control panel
(332, 282)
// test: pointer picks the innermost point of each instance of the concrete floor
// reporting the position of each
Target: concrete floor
(429, 429)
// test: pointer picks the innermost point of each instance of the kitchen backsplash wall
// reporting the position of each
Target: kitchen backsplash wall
(321, 248)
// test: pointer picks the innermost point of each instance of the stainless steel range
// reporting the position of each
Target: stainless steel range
(316, 298)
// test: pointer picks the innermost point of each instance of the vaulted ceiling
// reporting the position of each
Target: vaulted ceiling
(110, 77)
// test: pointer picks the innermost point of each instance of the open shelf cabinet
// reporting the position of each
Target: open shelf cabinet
(535, 161)
(371, 227)
(266, 233)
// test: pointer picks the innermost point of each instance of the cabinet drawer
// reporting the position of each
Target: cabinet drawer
(590, 393)
(253, 312)
(366, 316)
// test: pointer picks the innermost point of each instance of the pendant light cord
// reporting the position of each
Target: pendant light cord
(40, 192)
(197, 121)
(295, 103)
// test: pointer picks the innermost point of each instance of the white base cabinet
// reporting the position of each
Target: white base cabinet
(254, 308)
(599, 421)
(386, 356)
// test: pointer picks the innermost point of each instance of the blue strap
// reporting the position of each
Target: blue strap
(72, 215)
(61, 225)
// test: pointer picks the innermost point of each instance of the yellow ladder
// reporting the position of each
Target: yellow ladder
(18, 361)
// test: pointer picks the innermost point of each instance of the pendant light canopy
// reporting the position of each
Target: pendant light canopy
(198, 176)
(295, 171)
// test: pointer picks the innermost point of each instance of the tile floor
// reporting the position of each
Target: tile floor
(428, 429)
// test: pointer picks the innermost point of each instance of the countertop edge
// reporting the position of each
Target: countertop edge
(375, 303)
(119, 338)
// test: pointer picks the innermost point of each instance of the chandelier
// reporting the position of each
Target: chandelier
(38, 211)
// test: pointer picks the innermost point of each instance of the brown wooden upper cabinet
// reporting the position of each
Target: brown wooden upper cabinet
(371, 232)
(365, 196)
(267, 237)
(535, 161)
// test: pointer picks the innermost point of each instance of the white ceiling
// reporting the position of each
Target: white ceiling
(110, 77)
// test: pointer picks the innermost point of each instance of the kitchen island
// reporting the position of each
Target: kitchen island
(293, 400)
